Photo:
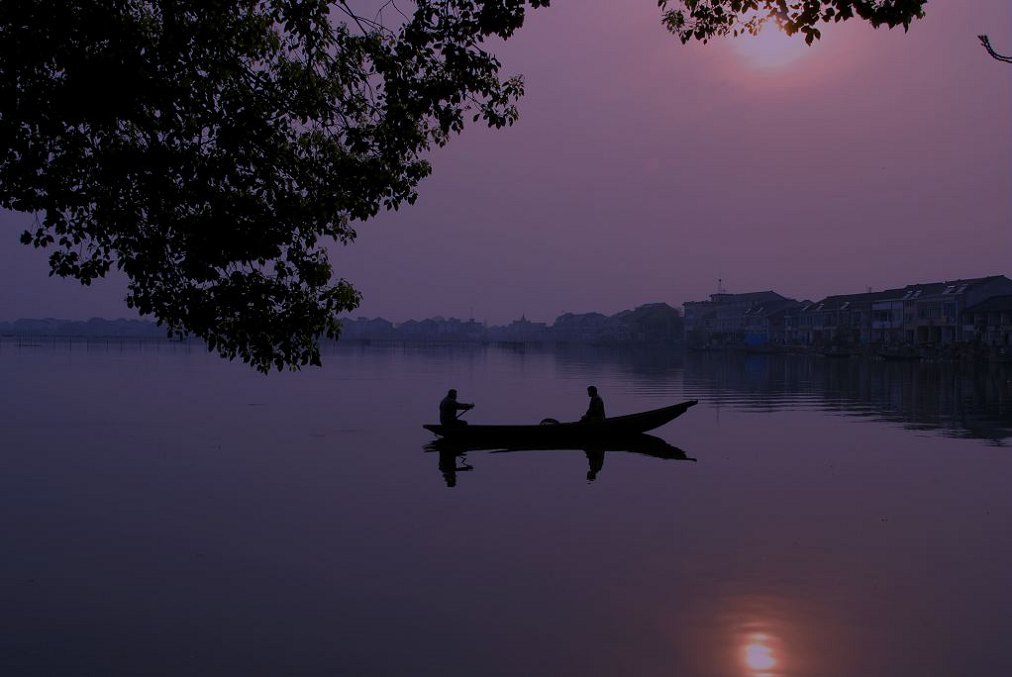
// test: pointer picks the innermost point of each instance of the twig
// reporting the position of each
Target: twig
(987, 45)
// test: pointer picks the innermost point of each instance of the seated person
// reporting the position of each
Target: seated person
(595, 412)
(448, 408)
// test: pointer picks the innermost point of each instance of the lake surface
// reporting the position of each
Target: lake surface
(168, 513)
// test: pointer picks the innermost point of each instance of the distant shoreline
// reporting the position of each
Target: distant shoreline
(654, 323)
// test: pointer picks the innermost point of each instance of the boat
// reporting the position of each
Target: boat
(555, 433)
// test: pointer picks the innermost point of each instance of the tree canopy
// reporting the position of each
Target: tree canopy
(210, 148)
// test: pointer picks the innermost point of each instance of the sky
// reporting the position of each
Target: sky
(643, 170)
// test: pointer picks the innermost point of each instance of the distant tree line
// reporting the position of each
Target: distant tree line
(93, 328)
(650, 323)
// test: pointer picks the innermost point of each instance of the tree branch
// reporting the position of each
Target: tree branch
(987, 45)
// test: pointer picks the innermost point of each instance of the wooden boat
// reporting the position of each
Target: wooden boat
(559, 433)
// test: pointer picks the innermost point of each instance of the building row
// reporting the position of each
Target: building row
(975, 311)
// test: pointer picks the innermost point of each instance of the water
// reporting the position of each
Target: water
(168, 513)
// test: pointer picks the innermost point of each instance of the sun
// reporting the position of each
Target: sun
(771, 49)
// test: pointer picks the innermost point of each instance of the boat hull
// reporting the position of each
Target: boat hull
(557, 433)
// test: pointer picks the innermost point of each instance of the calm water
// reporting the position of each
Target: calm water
(167, 513)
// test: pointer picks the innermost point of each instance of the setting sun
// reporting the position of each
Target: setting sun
(771, 49)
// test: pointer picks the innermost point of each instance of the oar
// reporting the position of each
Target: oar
(464, 411)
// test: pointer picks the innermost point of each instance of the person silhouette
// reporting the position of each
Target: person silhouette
(595, 412)
(448, 408)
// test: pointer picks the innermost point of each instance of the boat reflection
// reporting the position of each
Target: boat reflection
(453, 459)
(450, 463)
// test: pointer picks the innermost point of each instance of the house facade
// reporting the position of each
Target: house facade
(730, 319)
(929, 314)
(990, 322)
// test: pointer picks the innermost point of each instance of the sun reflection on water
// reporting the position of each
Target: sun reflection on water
(758, 655)
(755, 635)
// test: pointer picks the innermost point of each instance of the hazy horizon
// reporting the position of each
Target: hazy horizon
(643, 170)
(357, 314)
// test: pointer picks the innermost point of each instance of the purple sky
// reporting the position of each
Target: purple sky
(643, 170)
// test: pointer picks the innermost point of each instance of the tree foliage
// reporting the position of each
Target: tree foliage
(209, 149)
(705, 19)
(205, 147)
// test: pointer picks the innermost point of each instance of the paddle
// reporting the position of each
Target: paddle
(464, 411)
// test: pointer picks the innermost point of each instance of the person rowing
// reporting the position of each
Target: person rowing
(448, 408)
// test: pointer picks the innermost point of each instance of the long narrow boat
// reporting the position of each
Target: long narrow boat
(576, 431)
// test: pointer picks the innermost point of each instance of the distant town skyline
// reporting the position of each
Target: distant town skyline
(720, 291)
(643, 171)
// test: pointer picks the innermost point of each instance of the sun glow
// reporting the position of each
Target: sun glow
(771, 49)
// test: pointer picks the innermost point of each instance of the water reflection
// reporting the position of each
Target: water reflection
(741, 634)
(958, 400)
(152, 508)
(595, 459)
(758, 655)
(453, 459)
(955, 399)
(452, 462)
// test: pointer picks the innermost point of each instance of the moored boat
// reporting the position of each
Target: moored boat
(553, 432)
